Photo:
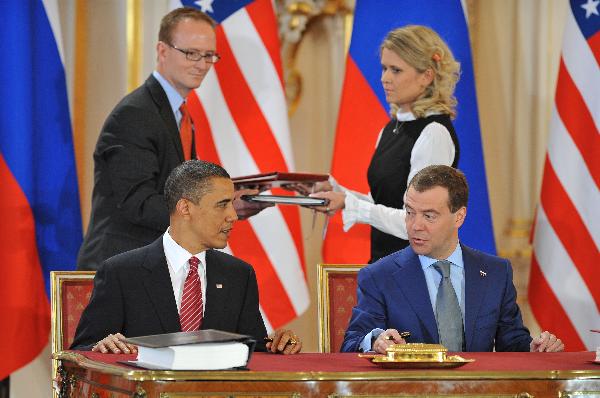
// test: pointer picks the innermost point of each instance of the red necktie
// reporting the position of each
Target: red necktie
(190, 315)
(185, 132)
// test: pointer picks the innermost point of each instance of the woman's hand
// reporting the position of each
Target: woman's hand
(308, 188)
(337, 201)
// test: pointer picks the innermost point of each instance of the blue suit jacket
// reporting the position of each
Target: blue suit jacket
(392, 293)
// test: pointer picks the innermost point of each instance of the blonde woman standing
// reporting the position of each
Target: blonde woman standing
(419, 75)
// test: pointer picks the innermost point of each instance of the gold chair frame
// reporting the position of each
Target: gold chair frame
(58, 279)
(323, 298)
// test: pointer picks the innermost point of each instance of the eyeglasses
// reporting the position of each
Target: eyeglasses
(195, 55)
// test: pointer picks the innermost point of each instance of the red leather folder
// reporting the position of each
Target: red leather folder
(277, 179)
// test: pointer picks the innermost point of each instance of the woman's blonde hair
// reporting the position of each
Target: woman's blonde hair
(422, 48)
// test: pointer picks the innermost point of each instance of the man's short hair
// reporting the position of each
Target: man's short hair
(170, 21)
(191, 180)
(446, 177)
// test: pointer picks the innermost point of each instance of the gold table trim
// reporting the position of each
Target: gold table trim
(142, 375)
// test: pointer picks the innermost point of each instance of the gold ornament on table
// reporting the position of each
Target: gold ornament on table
(416, 355)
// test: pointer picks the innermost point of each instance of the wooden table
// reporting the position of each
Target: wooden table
(87, 374)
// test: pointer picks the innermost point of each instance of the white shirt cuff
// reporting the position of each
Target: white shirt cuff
(365, 344)
(355, 211)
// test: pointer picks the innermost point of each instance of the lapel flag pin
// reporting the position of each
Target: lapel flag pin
(481, 273)
(219, 286)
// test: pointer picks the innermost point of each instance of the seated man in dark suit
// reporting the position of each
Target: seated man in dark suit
(437, 289)
(178, 282)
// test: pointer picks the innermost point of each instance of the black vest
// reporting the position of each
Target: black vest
(389, 169)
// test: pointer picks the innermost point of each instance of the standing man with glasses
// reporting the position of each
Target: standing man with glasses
(145, 137)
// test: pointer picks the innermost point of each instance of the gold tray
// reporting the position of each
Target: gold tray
(452, 361)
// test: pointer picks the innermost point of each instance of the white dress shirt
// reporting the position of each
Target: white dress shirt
(175, 99)
(177, 260)
(434, 146)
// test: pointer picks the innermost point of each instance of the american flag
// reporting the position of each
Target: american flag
(564, 287)
(240, 114)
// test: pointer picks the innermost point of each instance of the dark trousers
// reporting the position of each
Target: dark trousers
(4, 387)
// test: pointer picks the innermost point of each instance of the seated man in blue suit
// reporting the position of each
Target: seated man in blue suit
(437, 289)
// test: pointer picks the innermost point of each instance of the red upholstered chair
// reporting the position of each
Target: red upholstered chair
(69, 295)
(336, 298)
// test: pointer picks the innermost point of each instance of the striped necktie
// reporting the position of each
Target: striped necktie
(190, 314)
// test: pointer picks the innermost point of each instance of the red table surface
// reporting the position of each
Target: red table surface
(313, 362)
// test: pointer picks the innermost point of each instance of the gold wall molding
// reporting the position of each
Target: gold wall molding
(516, 236)
(296, 18)
(518, 228)
(515, 253)
(80, 92)
(134, 43)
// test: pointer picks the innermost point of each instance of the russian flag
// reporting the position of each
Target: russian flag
(40, 219)
(364, 111)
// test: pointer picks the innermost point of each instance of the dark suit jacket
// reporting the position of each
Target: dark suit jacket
(133, 295)
(392, 293)
(136, 151)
